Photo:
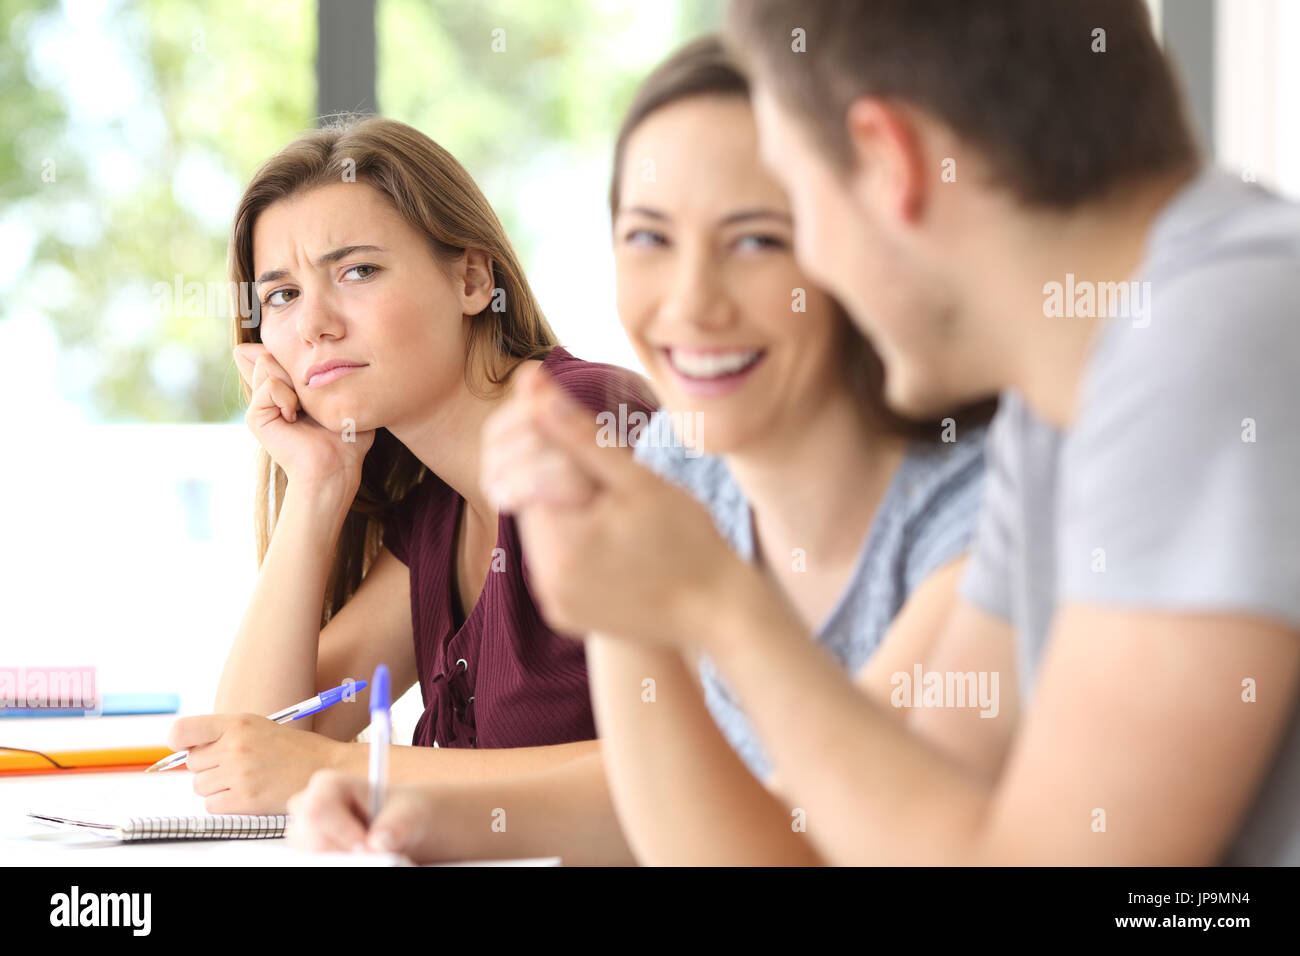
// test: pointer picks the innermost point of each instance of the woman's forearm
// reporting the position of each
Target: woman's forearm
(564, 810)
(272, 662)
(682, 794)
(452, 765)
(873, 791)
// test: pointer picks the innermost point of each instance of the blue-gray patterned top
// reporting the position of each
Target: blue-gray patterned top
(926, 519)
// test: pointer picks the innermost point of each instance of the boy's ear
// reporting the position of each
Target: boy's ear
(888, 161)
(475, 280)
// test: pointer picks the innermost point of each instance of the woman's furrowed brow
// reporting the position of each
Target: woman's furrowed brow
(334, 255)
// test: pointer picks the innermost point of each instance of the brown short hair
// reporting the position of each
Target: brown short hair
(1057, 123)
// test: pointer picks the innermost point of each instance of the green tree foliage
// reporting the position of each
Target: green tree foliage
(129, 131)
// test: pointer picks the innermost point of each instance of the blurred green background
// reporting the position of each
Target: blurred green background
(132, 127)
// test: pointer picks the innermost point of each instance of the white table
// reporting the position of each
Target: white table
(24, 842)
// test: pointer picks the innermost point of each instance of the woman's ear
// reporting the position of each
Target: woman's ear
(475, 283)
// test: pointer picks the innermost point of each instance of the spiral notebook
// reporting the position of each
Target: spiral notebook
(227, 826)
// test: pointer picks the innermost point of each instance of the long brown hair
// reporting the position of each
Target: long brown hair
(436, 196)
(704, 67)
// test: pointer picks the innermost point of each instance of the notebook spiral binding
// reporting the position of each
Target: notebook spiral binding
(217, 827)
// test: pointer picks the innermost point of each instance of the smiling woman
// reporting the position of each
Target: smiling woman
(392, 319)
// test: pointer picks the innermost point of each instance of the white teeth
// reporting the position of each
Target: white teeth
(711, 364)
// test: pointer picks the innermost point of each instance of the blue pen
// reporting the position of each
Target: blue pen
(381, 735)
(312, 705)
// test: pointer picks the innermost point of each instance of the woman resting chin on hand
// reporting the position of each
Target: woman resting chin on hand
(388, 319)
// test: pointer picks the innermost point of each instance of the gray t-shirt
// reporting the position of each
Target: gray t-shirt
(926, 518)
(1178, 486)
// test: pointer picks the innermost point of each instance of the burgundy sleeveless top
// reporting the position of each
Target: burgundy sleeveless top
(500, 678)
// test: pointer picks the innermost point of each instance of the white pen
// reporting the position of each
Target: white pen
(312, 705)
(381, 735)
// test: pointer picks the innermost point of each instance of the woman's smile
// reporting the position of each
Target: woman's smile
(711, 371)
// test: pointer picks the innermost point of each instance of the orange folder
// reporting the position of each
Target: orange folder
(81, 761)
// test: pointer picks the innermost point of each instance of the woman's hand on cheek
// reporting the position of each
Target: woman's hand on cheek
(309, 453)
(638, 558)
(243, 763)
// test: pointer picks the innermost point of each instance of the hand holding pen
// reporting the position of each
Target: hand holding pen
(381, 736)
(338, 811)
(312, 705)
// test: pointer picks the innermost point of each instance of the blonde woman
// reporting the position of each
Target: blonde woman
(392, 317)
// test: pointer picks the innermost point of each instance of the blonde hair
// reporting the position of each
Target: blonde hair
(436, 196)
